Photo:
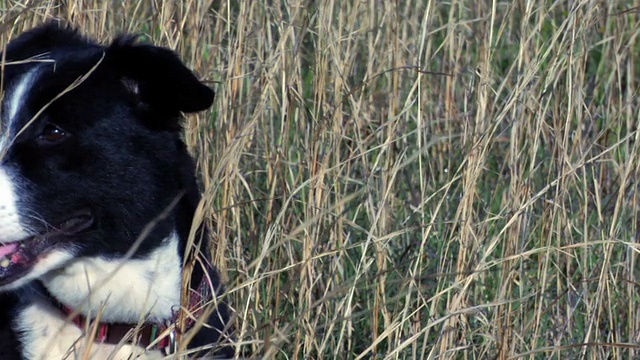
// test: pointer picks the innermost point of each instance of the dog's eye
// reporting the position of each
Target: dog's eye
(51, 134)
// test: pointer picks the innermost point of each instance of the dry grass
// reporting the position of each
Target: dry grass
(411, 179)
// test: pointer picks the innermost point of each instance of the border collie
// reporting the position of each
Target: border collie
(97, 198)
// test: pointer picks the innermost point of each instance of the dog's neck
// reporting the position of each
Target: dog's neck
(121, 291)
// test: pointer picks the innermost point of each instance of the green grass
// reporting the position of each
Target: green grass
(412, 179)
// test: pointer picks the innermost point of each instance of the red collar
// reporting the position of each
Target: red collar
(153, 336)
(149, 335)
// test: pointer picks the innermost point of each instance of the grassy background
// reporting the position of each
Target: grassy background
(410, 179)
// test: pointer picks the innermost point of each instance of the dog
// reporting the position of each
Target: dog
(97, 198)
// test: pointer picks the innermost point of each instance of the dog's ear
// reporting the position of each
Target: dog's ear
(158, 77)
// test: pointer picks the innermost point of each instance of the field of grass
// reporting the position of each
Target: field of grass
(410, 179)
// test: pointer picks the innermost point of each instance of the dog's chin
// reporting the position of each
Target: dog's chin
(21, 261)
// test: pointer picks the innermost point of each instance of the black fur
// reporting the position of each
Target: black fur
(122, 161)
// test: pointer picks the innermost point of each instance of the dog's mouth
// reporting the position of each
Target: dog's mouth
(17, 258)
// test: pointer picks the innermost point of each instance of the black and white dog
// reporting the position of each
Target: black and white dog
(97, 198)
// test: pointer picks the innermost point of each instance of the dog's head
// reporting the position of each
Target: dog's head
(90, 149)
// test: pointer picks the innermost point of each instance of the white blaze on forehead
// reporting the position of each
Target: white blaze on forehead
(10, 228)
(17, 94)
(14, 99)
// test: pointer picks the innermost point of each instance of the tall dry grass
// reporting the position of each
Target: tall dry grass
(411, 179)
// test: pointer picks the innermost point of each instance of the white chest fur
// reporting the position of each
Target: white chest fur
(47, 335)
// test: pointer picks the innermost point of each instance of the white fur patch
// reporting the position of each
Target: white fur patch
(10, 228)
(124, 290)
